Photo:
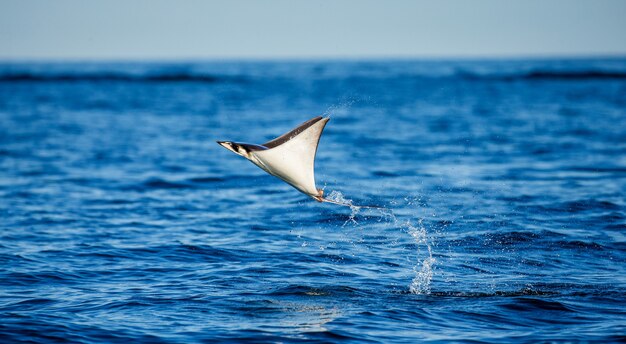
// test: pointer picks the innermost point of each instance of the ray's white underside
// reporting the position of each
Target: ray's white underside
(290, 157)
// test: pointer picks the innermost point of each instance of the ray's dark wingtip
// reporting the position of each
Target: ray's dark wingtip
(224, 144)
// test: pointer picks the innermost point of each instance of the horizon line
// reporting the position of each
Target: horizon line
(303, 58)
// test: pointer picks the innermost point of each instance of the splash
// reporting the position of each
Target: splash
(424, 267)
(422, 256)
(337, 196)
(423, 277)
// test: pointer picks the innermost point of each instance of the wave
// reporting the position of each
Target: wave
(117, 77)
(573, 75)
(303, 290)
(193, 77)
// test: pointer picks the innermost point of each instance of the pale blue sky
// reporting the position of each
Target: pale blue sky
(186, 29)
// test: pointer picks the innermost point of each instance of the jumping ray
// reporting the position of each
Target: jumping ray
(290, 157)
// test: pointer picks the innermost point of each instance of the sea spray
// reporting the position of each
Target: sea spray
(337, 196)
(340, 108)
(423, 276)
(423, 268)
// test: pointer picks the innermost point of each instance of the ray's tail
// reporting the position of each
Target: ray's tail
(349, 204)
(337, 198)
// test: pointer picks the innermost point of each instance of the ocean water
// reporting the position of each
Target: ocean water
(504, 184)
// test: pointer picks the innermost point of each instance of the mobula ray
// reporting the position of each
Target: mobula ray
(290, 157)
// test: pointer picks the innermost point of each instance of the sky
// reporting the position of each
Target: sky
(247, 29)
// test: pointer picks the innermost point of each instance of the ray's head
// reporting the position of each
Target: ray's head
(235, 148)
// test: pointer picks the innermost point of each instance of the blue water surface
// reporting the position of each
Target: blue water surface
(124, 221)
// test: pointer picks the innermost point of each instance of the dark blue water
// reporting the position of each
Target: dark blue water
(124, 221)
